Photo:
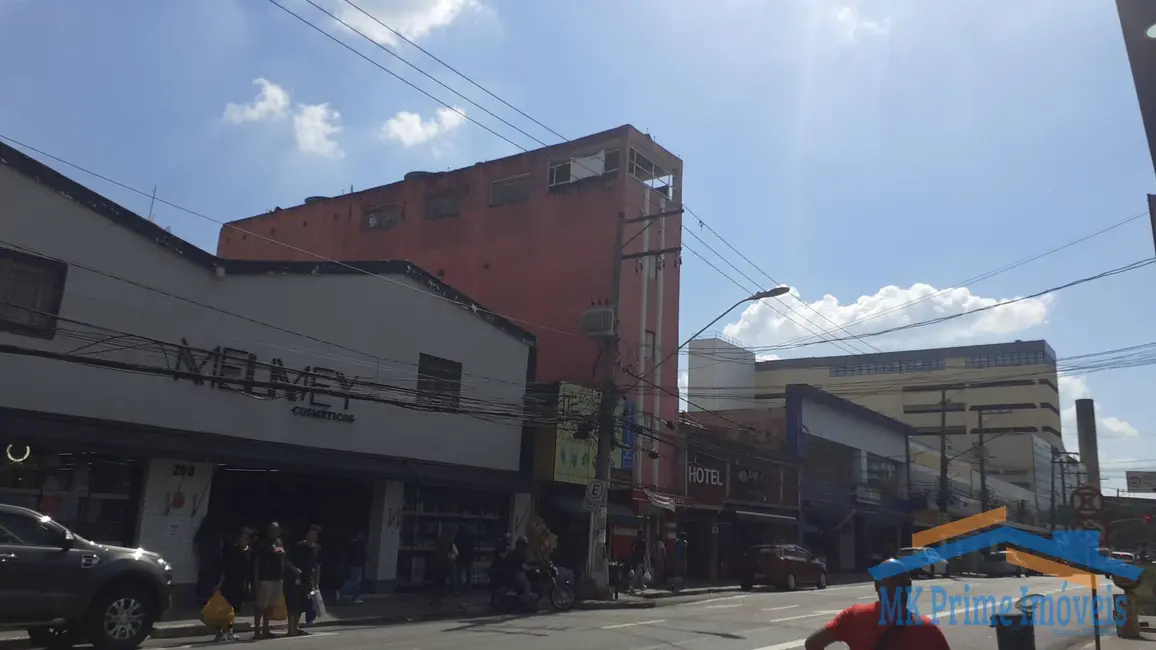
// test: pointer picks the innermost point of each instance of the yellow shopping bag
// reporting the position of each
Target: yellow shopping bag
(218, 613)
(280, 611)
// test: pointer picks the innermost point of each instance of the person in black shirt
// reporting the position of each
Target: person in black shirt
(463, 572)
(236, 572)
(268, 575)
(354, 571)
(514, 567)
(302, 570)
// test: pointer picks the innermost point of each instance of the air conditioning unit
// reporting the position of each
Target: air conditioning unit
(598, 322)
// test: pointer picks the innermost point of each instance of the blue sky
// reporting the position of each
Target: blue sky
(863, 152)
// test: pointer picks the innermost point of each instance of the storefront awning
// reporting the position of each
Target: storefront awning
(751, 515)
(577, 506)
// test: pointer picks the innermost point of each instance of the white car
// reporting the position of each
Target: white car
(1123, 556)
(938, 567)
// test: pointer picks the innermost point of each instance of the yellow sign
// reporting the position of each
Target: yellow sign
(574, 457)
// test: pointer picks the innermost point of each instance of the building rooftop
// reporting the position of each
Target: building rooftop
(912, 355)
(51, 179)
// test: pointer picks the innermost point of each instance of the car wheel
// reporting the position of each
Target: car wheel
(53, 638)
(822, 580)
(746, 585)
(789, 584)
(121, 618)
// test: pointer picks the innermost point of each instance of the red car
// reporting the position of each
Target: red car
(782, 565)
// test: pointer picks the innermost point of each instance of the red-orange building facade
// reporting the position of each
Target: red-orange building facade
(531, 237)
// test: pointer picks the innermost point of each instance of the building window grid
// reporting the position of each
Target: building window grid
(888, 367)
(1006, 359)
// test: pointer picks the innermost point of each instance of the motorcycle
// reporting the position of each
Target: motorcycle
(548, 580)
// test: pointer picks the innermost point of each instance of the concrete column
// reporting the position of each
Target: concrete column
(859, 469)
(384, 535)
(521, 509)
(174, 502)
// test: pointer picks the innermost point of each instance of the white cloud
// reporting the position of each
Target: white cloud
(889, 307)
(1109, 427)
(313, 126)
(853, 24)
(414, 19)
(410, 129)
(271, 103)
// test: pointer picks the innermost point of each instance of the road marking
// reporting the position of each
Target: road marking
(717, 600)
(865, 598)
(724, 606)
(294, 638)
(622, 625)
(802, 616)
(777, 609)
(788, 645)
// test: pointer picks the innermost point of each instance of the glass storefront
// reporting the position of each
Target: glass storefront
(429, 512)
(96, 496)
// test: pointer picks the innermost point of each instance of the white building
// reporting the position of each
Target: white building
(148, 387)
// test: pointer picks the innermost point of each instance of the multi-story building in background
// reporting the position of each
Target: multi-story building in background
(1008, 391)
(531, 236)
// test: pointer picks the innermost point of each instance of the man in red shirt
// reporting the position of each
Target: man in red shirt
(864, 626)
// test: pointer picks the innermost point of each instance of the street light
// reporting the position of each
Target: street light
(1151, 32)
(769, 293)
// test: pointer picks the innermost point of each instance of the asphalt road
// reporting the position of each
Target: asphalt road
(752, 621)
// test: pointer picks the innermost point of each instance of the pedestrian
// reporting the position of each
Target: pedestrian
(268, 578)
(658, 561)
(638, 561)
(863, 627)
(679, 560)
(464, 542)
(207, 545)
(444, 561)
(234, 581)
(302, 570)
(354, 570)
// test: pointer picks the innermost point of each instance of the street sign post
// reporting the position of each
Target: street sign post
(595, 494)
(1086, 501)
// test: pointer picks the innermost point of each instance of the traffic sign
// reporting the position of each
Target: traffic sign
(595, 494)
(1086, 501)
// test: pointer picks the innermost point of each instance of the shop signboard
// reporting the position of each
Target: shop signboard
(629, 434)
(1141, 481)
(576, 442)
(706, 479)
(755, 484)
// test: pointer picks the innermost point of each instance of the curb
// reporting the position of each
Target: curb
(200, 629)
(602, 605)
(697, 592)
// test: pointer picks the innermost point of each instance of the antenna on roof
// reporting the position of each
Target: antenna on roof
(152, 202)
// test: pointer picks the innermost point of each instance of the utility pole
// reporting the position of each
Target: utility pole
(943, 482)
(983, 501)
(1064, 484)
(596, 567)
(1053, 501)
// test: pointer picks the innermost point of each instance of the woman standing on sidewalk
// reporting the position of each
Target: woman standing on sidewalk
(233, 583)
(302, 572)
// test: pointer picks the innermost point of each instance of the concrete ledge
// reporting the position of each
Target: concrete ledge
(698, 591)
(179, 631)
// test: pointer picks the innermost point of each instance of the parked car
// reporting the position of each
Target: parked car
(938, 565)
(781, 565)
(1123, 556)
(66, 590)
(996, 564)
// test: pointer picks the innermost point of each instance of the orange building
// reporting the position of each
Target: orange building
(531, 237)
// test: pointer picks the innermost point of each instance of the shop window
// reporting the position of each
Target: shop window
(24, 530)
(476, 518)
(439, 382)
(31, 289)
(510, 190)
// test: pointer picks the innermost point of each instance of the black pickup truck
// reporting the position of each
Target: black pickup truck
(65, 590)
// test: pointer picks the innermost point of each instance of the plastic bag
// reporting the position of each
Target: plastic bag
(218, 613)
(317, 609)
(280, 610)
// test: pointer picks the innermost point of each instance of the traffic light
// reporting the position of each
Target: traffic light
(1147, 519)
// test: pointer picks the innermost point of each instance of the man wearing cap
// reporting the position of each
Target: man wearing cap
(875, 626)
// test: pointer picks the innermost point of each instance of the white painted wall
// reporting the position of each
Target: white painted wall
(384, 539)
(720, 376)
(174, 501)
(830, 424)
(386, 322)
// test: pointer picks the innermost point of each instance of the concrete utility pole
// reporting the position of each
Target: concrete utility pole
(596, 557)
(1086, 435)
(983, 500)
(1053, 508)
(943, 482)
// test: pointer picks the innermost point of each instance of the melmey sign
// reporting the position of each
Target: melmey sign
(326, 393)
